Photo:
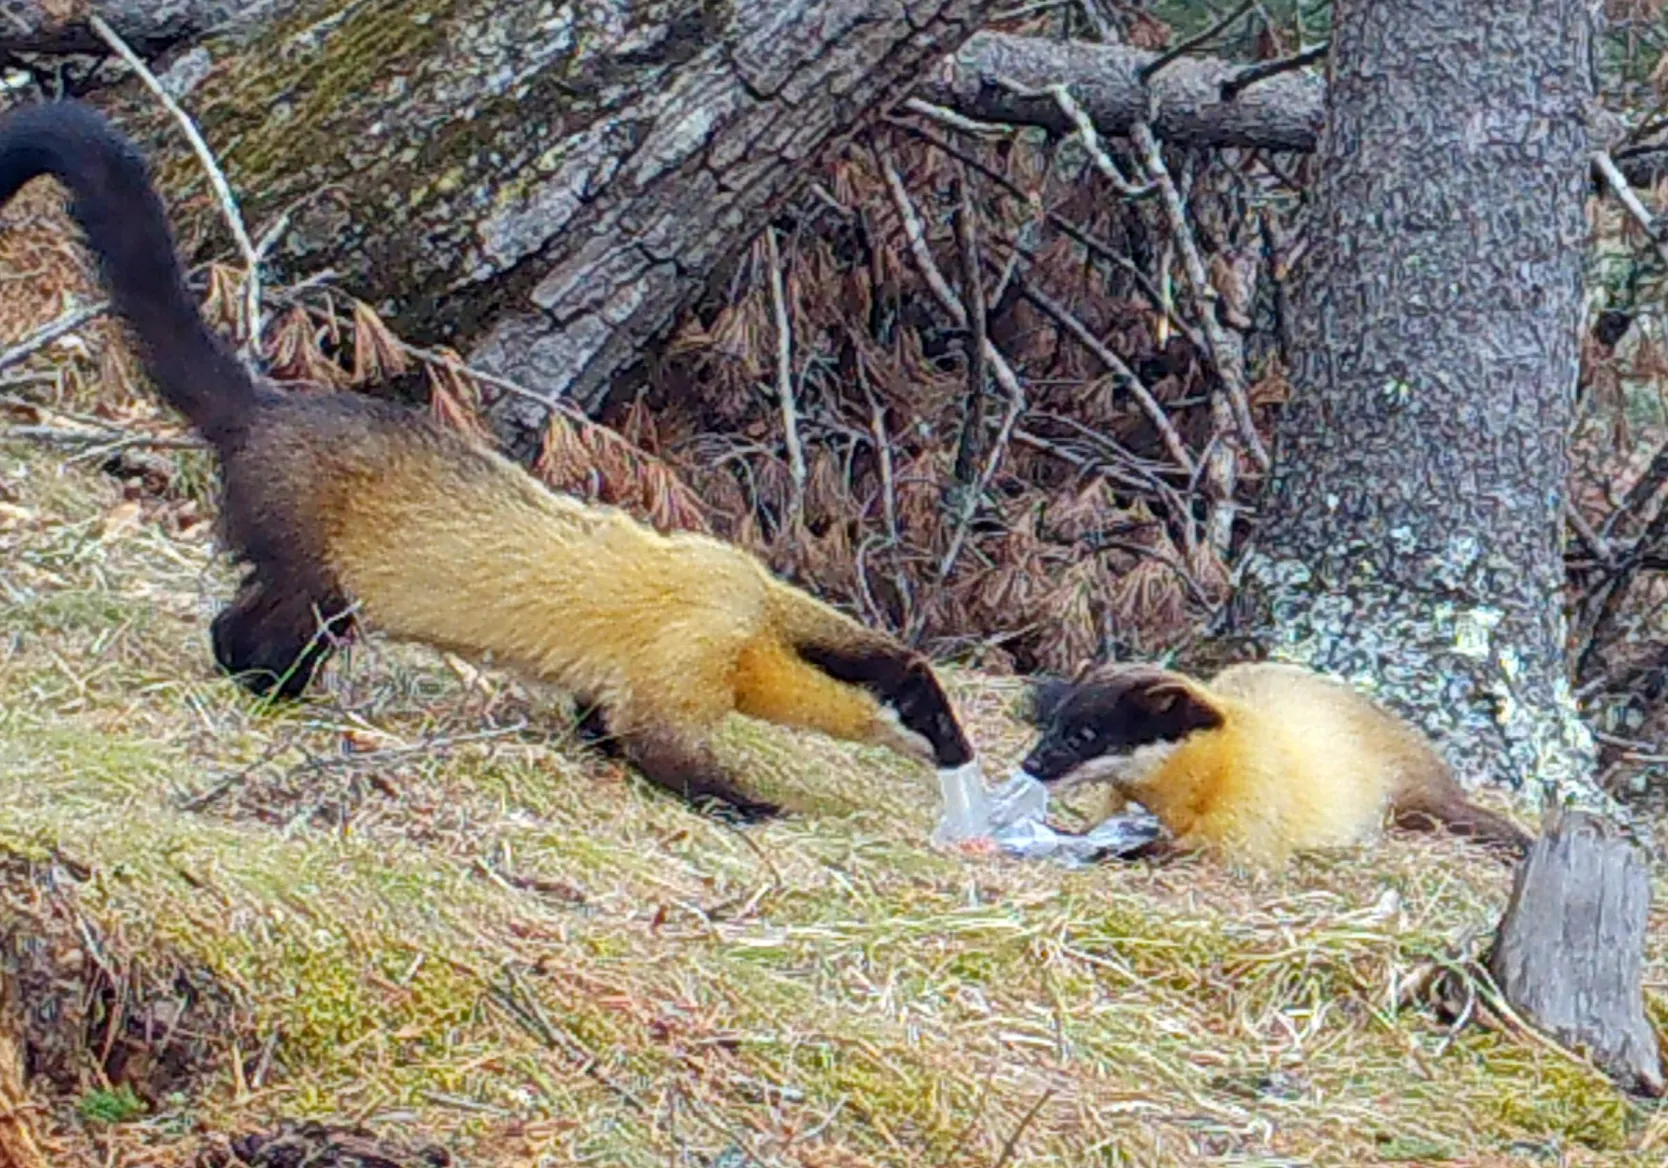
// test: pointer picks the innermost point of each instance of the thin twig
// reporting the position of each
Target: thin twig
(44, 336)
(1016, 406)
(1222, 476)
(1227, 354)
(1158, 555)
(455, 364)
(217, 180)
(1596, 543)
(113, 439)
(1121, 372)
(1085, 131)
(1122, 466)
(1643, 490)
(1012, 1142)
(1263, 70)
(1624, 193)
(1151, 68)
(883, 452)
(1060, 223)
(1606, 622)
(917, 236)
(1000, 368)
(955, 121)
(971, 445)
(1105, 27)
(784, 376)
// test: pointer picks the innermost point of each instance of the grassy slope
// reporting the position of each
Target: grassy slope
(394, 906)
(826, 990)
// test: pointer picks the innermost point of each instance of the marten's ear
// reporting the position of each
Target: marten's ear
(1043, 699)
(1175, 709)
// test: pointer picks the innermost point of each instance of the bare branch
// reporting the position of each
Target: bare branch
(1000, 368)
(1169, 55)
(954, 120)
(1099, 247)
(45, 335)
(784, 374)
(917, 236)
(1226, 352)
(1247, 77)
(1183, 103)
(1121, 372)
(1016, 407)
(971, 445)
(1617, 181)
(1086, 131)
(217, 180)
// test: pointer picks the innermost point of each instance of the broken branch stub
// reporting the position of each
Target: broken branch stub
(1570, 950)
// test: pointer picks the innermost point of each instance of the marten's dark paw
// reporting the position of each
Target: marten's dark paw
(733, 809)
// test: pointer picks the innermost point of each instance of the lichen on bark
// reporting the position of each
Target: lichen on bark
(390, 130)
(541, 186)
(1412, 532)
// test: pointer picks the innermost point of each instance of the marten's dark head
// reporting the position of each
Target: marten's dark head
(905, 685)
(1112, 720)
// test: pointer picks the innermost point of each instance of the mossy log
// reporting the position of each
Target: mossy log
(543, 185)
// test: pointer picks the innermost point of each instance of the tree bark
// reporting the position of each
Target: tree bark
(1412, 533)
(1570, 952)
(540, 186)
(1283, 112)
(44, 26)
(1187, 106)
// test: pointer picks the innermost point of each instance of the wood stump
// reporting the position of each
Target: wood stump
(18, 1146)
(1570, 950)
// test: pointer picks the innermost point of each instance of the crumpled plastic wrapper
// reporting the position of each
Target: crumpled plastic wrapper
(1012, 818)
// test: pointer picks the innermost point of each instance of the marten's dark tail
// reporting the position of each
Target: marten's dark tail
(1448, 807)
(119, 209)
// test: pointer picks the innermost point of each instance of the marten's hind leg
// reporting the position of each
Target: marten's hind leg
(277, 632)
(591, 728)
(687, 768)
(670, 761)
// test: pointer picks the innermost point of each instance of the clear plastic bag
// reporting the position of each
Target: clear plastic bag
(1013, 817)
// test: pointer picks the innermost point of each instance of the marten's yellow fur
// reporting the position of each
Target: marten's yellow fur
(1264, 761)
(657, 629)
(341, 505)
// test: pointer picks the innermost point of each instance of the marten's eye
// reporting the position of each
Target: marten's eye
(1084, 736)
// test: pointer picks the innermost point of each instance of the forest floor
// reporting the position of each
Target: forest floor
(412, 904)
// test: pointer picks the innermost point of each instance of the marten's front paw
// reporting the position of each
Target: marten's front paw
(736, 809)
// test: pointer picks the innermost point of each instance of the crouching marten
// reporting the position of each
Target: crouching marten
(338, 499)
(1265, 760)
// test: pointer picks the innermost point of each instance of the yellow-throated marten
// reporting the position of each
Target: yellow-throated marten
(328, 499)
(1265, 760)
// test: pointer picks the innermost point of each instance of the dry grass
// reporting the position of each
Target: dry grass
(517, 951)
(395, 906)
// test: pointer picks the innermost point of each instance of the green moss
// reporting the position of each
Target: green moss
(117, 1106)
(387, 128)
(58, 613)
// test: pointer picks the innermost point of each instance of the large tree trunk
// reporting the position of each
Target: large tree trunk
(1411, 536)
(49, 26)
(540, 186)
